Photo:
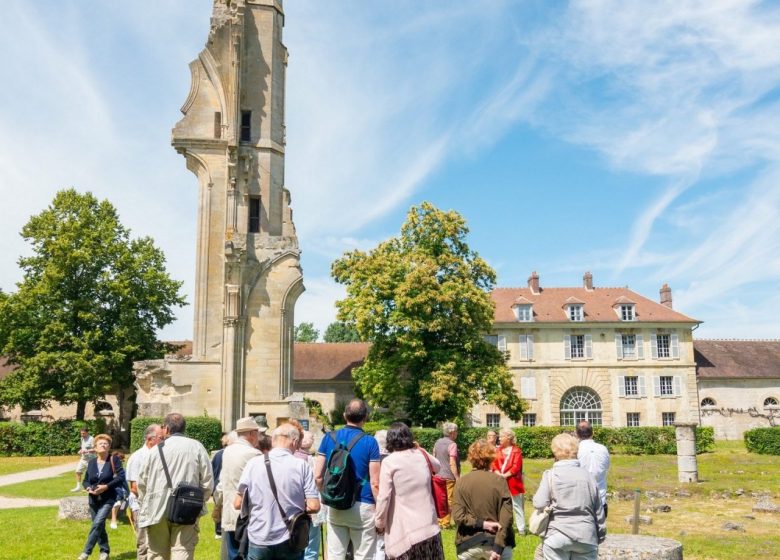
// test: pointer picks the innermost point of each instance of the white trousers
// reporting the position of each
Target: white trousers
(517, 506)
(558, 546)
(483, 553)
(355, 524)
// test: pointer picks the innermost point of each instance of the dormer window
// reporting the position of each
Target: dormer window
(523, 313)
(627, 312)
(576, 313)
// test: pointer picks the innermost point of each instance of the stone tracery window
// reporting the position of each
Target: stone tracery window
(771, 402)
(708, 401)
(580, 403)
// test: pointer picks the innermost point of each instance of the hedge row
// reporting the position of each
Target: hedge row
(535, 442)
(45, 438)
(765, 441)
(206, 430)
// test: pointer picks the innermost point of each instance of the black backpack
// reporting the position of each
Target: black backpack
(340, 484)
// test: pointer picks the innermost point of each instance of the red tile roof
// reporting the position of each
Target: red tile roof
(328, 361)
(598, 305)
(737, 358)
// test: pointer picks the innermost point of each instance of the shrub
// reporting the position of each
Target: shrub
(765, 441)
(60, 437)
(206, 430)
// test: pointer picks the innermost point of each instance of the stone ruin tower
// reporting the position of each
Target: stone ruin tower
(248, 275)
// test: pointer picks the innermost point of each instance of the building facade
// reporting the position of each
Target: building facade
(607, 355)
(248, 275)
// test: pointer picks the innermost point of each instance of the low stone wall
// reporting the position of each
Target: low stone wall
(634, 547)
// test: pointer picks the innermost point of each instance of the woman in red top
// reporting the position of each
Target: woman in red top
(509, 464)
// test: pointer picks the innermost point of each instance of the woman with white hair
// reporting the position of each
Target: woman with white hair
(508, 464)
(577, 524)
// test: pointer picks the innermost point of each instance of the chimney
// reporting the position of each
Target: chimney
(533, 283)
(587, 281)
(666, 296)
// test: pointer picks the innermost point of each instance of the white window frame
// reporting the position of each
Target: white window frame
(526, 347)
(493, 420)
(665, 422)
(661, 389)
(587, 340)
(621, 345)
(674, 346)
(524, 313)
(528, 387)
(529, 419)
(708, 405)
(774, 403)
(623, 385)
(576, 312)
(633, 419)
(627, 312)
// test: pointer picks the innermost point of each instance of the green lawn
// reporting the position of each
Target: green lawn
(44, 489)
(10, 465)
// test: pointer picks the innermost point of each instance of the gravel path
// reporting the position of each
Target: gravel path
(37, 474)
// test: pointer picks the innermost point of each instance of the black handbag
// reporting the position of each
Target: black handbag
(185, 503)
(298, 525)
(242, 526)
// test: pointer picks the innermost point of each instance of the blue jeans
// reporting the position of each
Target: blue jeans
(230, 544)
(312, 551)
(97, 533)
(279, 551)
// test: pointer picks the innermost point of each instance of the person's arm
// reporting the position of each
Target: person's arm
(119, 472)
(237, 500)
(462, 516)
(542, 497)
(310, 490)
(218, 494)
(312, 505)
(600, 518)
(373, 477)
(206, 474)
(319, 470)
(452, 452)
(505, 516)
(383, 498)
(434, 461)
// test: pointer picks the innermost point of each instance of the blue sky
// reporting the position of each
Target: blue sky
(637, 140)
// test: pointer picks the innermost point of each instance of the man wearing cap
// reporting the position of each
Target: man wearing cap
(234, 458)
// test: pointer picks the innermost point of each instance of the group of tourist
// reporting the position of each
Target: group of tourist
(388, 509)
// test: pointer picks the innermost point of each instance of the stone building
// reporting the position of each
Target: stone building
(739, 385)
(248, 275)
(608, 355)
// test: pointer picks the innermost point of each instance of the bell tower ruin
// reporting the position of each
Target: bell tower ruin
(248, 275)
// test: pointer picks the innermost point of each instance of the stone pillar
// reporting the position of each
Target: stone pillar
(687, 469)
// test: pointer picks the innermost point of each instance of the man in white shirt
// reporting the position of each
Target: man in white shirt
(86, 454)
(234, 459)
(152, 436)
(188, 462)
(594, 458)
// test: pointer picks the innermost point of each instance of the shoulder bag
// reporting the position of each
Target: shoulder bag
(540, 518)
(185, 503)
(242, 526)
(298, 525)
(438, 490)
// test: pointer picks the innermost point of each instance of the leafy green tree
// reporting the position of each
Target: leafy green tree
(422, 299)
(89, 305)
(305, 332)
(339, 331)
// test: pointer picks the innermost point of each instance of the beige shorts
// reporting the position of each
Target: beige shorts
(82, 466)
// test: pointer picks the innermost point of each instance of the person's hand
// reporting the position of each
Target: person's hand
(494, 555)
(379, 531)
(99, 489)
(491, 526)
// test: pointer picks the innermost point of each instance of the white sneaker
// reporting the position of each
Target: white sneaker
(217, 536)
(82, 556)
(76, 489)
(103, 556)
(113, 524)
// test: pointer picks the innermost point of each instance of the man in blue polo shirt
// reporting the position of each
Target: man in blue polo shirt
(355, 524)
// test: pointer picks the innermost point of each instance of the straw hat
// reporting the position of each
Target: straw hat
(247, 424)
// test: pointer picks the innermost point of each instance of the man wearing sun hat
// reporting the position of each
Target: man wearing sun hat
(234, 458)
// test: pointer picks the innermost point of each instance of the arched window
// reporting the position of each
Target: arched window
(707, 401)
(580, 403)
(770, 402)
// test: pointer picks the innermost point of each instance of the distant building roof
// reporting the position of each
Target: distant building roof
(598, 305)
(732, 359)
(323, 361)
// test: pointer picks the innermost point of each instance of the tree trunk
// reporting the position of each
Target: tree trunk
(81, 407)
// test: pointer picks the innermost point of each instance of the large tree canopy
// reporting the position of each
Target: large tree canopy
(422, 299)
(89, 305)
(305, 332)
(339, 331)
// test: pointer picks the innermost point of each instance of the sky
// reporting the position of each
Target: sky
(636, 140)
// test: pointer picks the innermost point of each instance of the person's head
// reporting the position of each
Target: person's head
(491, 437)
(174, 424)
(300, 429)
(356, 412)
(399, 437)
(381, 441)
(584, 430)
(229, 438)
(307, 441)
(102, 444)
(286, 436)
(481, 454)
(506, 437)
(450, 430)
(152, 435)
(84, 432)
(264, 443)
(247, 428)
(564, 446)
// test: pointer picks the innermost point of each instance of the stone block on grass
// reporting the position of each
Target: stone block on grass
(74, 507)
(643, 520)
(634, 547)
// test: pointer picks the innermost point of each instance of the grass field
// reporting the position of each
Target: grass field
(696, 520)
(10, 465)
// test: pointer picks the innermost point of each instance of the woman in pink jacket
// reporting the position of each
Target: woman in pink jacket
(405, 512)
